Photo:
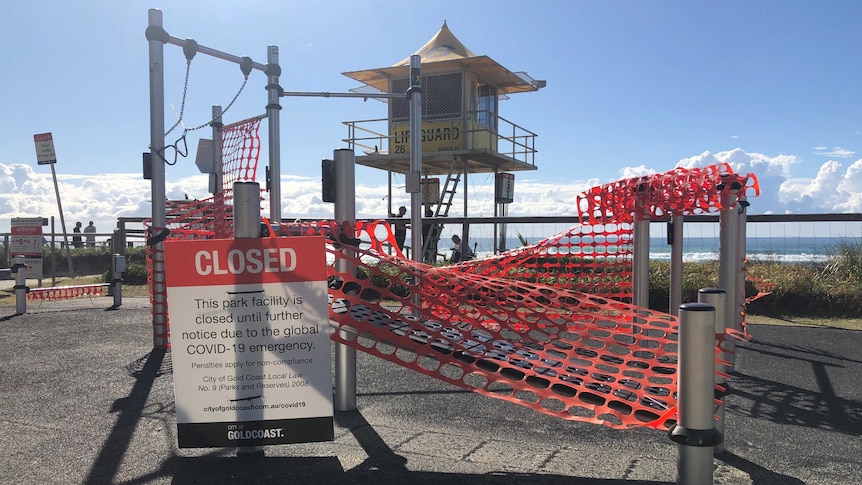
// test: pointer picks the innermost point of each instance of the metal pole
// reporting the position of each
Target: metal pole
(675, 299)
(640, 264)
(218, 162)
(62, 222)
(156, 36)
(117, 278)
(695, 433)
(246, 225)
(414, 94)
(742, 219)
(716, 298)
(728, 261)
(345, 211)
(273, 71)
(19, 267)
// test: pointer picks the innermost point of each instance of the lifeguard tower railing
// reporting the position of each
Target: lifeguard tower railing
(480, 136)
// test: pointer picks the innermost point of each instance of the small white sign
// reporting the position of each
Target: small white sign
(45, 154)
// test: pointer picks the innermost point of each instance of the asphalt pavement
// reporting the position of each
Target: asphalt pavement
(84, 398)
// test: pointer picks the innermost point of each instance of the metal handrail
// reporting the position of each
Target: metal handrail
(519, 145)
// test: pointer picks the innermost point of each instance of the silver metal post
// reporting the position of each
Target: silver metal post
(345, 211)
(415, 96)
(675, 293)
(640, 264)
(117, 261)
(156, 36)
(246, 225)
(716, 297)
(218, 161)
(742, 219)
(19, 267)
(272, 112)
(695, 433)
(729, 262)
(246, 215)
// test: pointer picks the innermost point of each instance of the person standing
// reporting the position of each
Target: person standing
(90, 231)
(400, 228)
(76, 238)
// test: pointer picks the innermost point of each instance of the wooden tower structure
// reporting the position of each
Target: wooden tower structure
(462, 130)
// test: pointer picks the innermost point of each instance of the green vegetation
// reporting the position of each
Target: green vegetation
(815, 290)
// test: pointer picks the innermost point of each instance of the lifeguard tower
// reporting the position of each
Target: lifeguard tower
(462, 130)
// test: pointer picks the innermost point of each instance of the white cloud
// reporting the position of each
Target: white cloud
(102, 198)
(834, 152)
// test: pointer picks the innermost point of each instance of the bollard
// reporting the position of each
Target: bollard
(715, 297)
(118, 266)
(345, 211)
(695, 433)
(246, 225)
(19, 267)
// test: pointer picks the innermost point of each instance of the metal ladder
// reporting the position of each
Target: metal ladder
(450, 186)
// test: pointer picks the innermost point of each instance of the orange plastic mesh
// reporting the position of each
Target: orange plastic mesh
(66, 292)
(678, 192)
(546, 326)
(561, 352)
(208, 218)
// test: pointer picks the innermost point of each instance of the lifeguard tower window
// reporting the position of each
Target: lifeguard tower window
(487, 115)
(441, 98)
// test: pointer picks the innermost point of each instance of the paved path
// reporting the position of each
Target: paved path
(85, 399)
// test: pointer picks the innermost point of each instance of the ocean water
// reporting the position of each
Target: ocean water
(790, 250)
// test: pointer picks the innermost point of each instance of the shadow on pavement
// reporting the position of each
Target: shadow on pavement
(131, 408)
(758, 474)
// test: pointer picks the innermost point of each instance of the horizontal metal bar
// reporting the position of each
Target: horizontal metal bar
(216, 53)
(343, 95)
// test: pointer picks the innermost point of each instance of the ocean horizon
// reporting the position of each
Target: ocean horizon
(788, 250)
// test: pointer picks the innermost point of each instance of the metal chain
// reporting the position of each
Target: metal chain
(183, 104)
(208, 123)
(182, 139)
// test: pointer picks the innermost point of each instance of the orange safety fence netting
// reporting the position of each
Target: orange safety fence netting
(66, 292)
(549, 326)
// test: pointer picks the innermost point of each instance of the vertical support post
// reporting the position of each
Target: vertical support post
(716, 297)
(728, 262)
(465, 228)
(675, 228)
(19, 267)
(218, 161)
(640, 264)
(157, 37)
(345, 211)
(414, 95)
(695, 433)
(246, 225)
(273, 89)
(118, 265)
(742, 219)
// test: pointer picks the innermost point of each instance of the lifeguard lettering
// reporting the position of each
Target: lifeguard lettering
(252, 260)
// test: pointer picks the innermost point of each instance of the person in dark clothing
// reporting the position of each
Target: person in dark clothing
(428, 243)
(400, 228)
(76, 239)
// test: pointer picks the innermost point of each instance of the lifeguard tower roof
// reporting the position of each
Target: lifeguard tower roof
(445, 48)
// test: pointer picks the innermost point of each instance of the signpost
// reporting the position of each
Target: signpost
(250, 341)
(27, 241)
(46, 155)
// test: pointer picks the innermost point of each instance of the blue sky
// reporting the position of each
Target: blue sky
(632, 87)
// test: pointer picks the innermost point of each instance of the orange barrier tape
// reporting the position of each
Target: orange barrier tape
(66, 292)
